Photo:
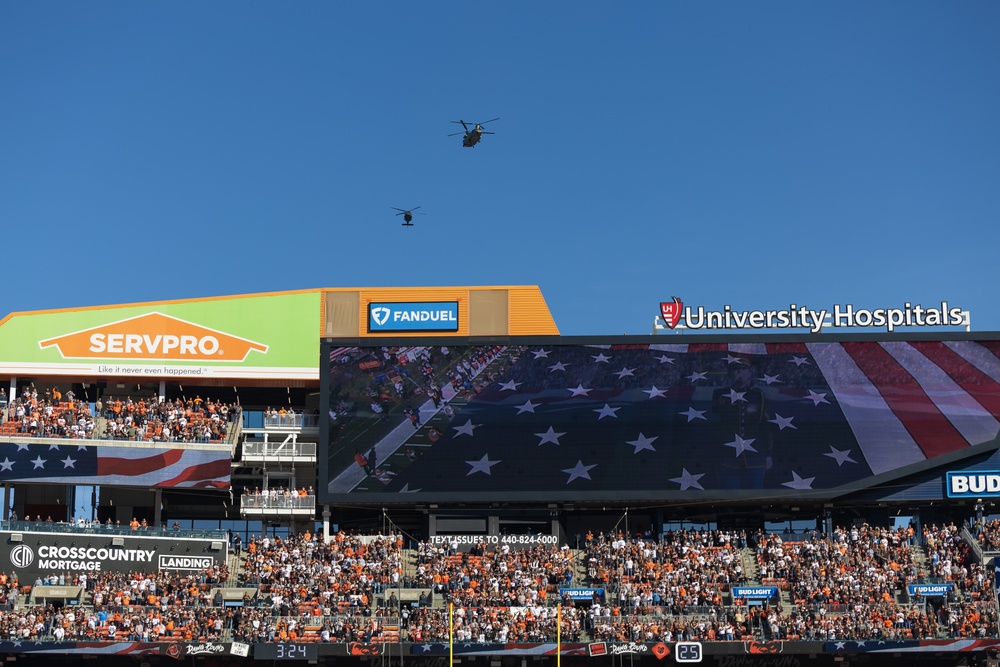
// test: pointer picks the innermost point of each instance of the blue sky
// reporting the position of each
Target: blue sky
(750, 154)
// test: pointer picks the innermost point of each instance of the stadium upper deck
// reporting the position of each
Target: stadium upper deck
(171, 395)
(457, 416)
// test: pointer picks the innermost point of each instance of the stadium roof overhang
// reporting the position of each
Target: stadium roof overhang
(267, 339)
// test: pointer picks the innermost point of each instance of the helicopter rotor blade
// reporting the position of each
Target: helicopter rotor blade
(488, 121)
(455, 134)
(484, 132)
(404, 211)
(462, 123)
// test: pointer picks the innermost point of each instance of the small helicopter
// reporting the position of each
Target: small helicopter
(407, 214)
(472, 136)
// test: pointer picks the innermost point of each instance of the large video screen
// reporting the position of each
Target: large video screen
(567, 422)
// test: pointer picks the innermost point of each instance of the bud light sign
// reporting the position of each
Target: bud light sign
(427, 316)
(969, 484)
(929, 590)
(755, 592)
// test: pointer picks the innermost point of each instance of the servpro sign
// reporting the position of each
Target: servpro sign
(155, 337)
(268, 336)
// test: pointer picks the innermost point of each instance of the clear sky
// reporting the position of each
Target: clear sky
(751, 154)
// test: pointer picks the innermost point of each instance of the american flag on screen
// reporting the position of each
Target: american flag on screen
(79, 464)
(700, 417)
(912, 646)
(80, 648)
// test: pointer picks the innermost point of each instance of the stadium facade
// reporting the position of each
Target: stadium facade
(459, 417)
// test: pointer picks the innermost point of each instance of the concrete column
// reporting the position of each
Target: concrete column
(162, 391)
(326, 524)
(157, 511)
(11, 395)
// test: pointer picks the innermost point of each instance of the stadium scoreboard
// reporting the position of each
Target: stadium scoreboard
(550, 419)
(687, 652)
(285, 651)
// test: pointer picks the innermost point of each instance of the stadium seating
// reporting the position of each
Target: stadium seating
(850, 585)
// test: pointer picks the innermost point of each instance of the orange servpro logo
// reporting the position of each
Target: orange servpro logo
(153, 337)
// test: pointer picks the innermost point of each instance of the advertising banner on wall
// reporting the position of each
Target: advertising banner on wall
(37, 553)
(267, 336)
(109, 465)
(973, 484)
(675, 315)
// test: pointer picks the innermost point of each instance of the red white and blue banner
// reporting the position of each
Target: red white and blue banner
(80, 462)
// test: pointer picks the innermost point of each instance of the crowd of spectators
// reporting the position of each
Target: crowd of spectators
(53, 414)
(496, 624)
(849, 585)
(302, 574)
(883, 621)
(179, 420)
(49, 415)
(131, 623)
(861, 564)
(730, 624)
(951, 560)
(134, 606)
(503, 578)
(276, 496)
(686, 569)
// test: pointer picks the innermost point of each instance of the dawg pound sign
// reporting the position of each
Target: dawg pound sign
(748, 661)
(208, 648)
(630, 647)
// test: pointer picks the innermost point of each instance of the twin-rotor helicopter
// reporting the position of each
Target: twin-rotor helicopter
(470, 138)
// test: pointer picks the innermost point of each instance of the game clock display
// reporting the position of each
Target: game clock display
(285, 651)
(687, 652)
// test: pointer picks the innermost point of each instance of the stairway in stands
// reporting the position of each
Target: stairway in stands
(919, 555)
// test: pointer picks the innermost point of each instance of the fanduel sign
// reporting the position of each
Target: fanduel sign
(841, 316)
(427, 316)
(979, 484)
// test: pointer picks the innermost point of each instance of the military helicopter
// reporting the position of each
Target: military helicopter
(407, 214)
(472, 136)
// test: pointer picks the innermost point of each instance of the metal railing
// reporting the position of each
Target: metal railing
(291, 420)
(278, 450)
(100, 439)
(984, 556)
(263, 501)
(973, 543)
(103, 529)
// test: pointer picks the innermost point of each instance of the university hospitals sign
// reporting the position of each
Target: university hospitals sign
(841, 316)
